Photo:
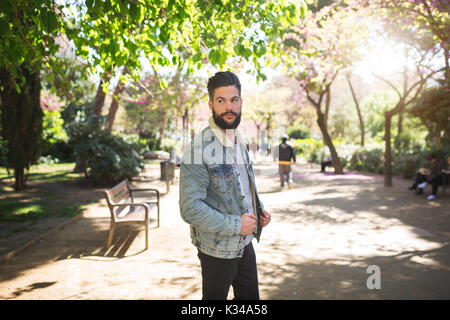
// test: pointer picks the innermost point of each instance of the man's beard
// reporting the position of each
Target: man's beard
(221, 123)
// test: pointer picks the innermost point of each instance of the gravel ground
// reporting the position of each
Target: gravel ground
(325, 233)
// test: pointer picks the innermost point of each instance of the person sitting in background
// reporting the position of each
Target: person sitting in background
(447, 171)
(327, 162)
(432, 176)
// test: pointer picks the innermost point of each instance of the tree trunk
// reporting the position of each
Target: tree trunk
(96, 109)
(437, 137)
(387, 151)
(397, 142)
(338, 169)
(162, 129)
(99, 100)
(327, 106)
(269, 126)
(447, 66)
(321, 121)
(120, 87)
(21, 121)
(185, 120)
(358, 110)
(19, 179)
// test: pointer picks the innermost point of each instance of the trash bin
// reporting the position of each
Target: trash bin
(167, 171)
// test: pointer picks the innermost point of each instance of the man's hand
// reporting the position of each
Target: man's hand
(265, 218)
(248, 223)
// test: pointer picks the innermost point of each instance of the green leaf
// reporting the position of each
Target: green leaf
(197, 57)
(222, 57)
(164, 34)
(135, 11)
(163, 84)
(52, 22)
(4, 27)
(213, 56)
(247, 53)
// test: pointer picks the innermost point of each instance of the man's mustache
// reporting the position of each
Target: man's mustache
(228, 112)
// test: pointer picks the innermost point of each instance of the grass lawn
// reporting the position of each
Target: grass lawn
(53, 190)
(49, 193)
(46, 172)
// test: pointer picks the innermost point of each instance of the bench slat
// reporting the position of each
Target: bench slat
(120, 214)
(125, 194)
(129, 213)
(135, 214)
(121, 186)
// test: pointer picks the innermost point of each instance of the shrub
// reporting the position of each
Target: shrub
(309, 148)
(106, 158)
(407, 164)
(368, 160)
(54, 136)
(167, 144)
(299, 131)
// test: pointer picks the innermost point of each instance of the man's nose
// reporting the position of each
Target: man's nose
(229, 106)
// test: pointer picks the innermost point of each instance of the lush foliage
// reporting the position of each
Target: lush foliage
(370, 158)
(311, 149)
(298, 131)
(108, 35)
(21, 122)
(106, 158)
(115, 33)
(433, 109)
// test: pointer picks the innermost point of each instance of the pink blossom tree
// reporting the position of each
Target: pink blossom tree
(421, 28)
(320, 47)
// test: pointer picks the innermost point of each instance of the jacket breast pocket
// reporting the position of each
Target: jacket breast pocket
(221, 176)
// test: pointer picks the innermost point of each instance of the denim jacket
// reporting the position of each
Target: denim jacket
(211, 195)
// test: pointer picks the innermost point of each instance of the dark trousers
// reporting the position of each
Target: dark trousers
(219, 274)
(435, 182)
(285, 173)
(325, 164)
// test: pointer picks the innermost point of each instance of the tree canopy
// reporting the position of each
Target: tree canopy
(115, 33)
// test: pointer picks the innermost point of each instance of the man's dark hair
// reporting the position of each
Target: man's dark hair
(432, 156)
(223, 79)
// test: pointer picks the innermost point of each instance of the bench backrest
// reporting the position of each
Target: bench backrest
(117, 195)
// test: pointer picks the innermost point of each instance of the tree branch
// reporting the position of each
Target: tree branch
(389, 83)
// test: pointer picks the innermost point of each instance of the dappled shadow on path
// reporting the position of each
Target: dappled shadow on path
(327, 230)
(84, 239)
(124, 236)
(31, 287)
(403, 276)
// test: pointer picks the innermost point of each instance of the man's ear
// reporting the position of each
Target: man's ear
(210, 105)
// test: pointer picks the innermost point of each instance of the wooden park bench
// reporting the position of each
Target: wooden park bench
(125, 211)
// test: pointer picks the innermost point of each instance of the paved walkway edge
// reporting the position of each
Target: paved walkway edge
(8, 256)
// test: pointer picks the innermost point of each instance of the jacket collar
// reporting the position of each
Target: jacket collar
(223, 138)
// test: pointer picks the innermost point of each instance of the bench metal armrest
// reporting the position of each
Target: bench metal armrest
(133, 204)
(146, 189)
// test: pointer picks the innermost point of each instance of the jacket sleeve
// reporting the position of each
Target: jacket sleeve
(436, 169)
(194, 182)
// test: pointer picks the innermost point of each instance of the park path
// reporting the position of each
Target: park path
(325, 232)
